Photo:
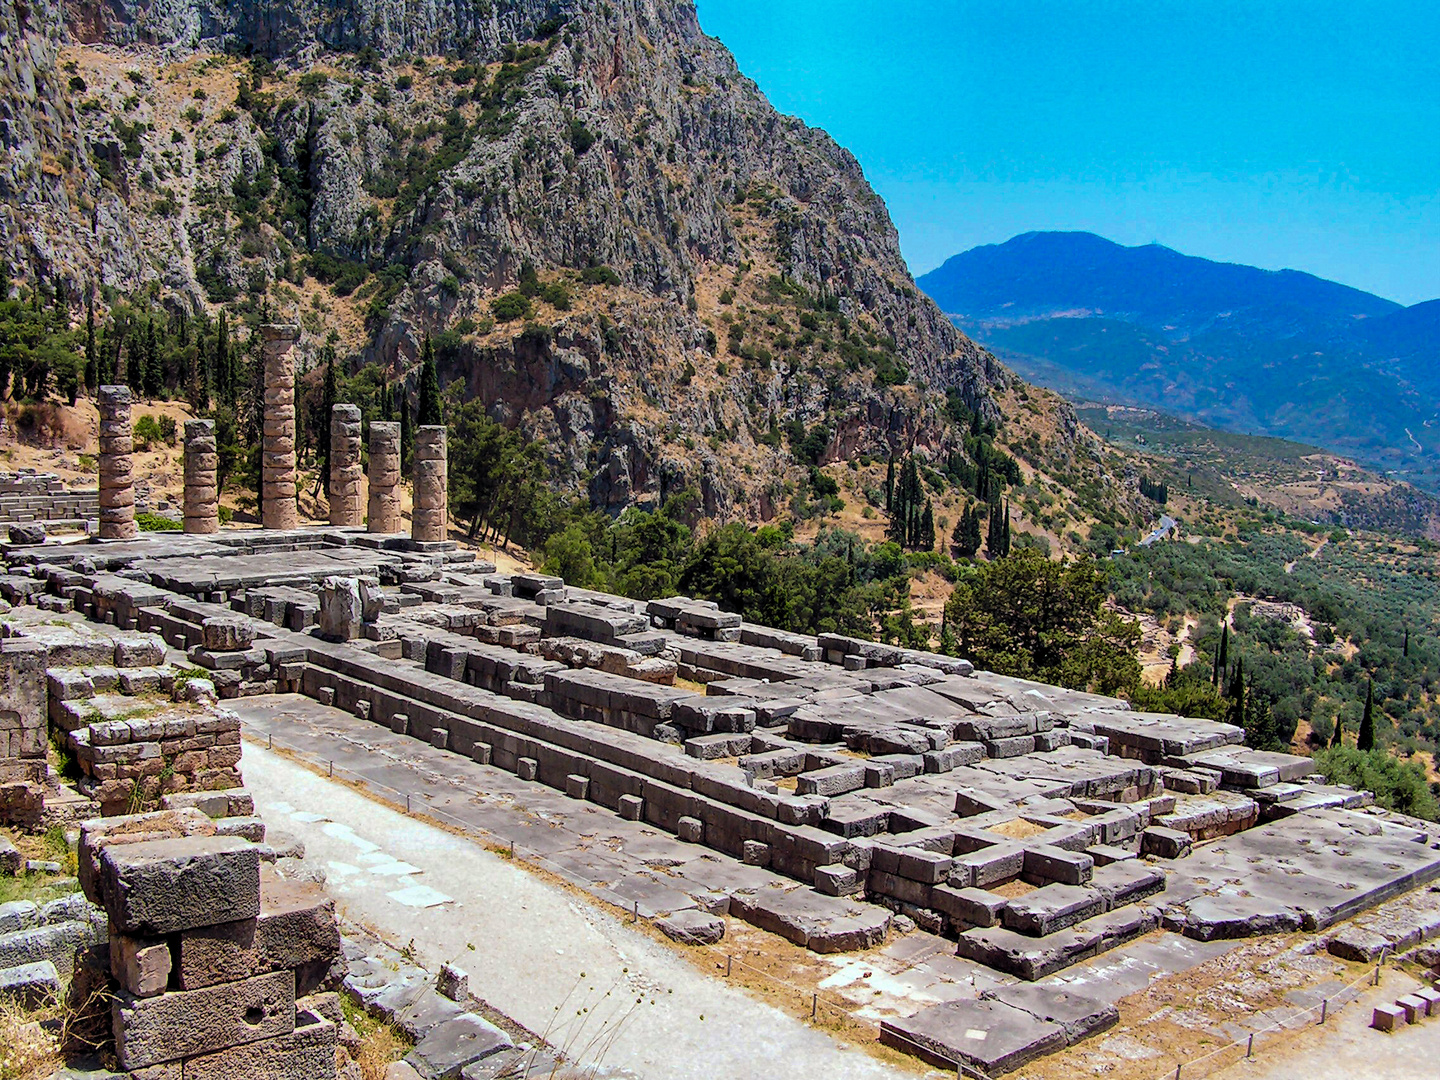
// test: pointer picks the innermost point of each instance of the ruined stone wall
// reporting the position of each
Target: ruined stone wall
(29, 496)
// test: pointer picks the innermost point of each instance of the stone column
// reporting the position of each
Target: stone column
(346, 468)
(277, 448)
(384, 511)
(117, 469)
(430, 516)
(202, 488)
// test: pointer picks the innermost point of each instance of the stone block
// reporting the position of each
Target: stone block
(295, 927)
(692, 927)
(1046, 863)
(690, 829)
(968, 906)
(1388, 1017)
(306, 1053)
(30, 985)
(527, 768)
(140, 965)
(1165, 843)
(1414, 1006)
(577, 787)
(100, 833)
(837, 880)
(1051, 908)
(227, 633)
(632, 807)
(455, 1043)
(186, 1023)
(755, 853)
(453, 983)
(57, 943)
(166, 886)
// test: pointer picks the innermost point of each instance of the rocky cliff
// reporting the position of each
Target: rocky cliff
(708, 274)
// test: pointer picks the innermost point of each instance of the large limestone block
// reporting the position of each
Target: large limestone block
(99, 833)
(166, 886)
(307, 1053)
(187, 1023)
(296, 927)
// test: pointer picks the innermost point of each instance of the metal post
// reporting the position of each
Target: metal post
(1177, 1072)
(635, 911)
(332, 769)
(407, 804)
(512, 850)
(270, 741)
(1377, 976)
(1324, 1008)
(814, 1006)
(1250, 1048)
(727, 965)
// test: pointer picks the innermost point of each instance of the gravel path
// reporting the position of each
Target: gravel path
(549, 961)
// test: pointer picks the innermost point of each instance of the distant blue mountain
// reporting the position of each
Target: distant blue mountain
(1276, 352)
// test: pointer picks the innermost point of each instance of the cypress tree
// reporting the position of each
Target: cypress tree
(1407, 641)
(1222, 658)
(1237, 695)
(927, 528)
(154, 371)
(429, 387)
(225, 381)
(890, 485)
(1337, 739)
(92, 362)
(1366, 740)
(407, 434)
(1005, 534)
(328, 396)
(200, 376)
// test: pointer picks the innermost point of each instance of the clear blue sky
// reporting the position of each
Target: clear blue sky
(1269, 132)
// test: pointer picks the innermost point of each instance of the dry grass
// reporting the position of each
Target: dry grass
(28, 1050)
(380, 1044)
(1017, 829)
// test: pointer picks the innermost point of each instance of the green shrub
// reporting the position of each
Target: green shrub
(599, 275)
(150, 429)
(1398, 785)
(557, 295)
(510, 306)
(149, 522)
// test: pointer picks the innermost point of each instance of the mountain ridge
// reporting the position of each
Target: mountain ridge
(1280, 353)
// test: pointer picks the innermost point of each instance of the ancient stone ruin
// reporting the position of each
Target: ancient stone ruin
(347, 507)
(117, 469)
(837, 786)
(278, 509)
(202, 478)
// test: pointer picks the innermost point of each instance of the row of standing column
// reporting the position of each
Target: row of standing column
(278, 508)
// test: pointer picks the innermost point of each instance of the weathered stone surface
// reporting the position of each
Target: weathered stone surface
(692, 927)
(227, 633)
(384, 509)
(30, 985)
(278, 509)
(346, 469)
(117, 493)
(186, 1023)
(454, 1044)
(140, 965)
(453, 983)
(990, 1036)
(202, 488)
(57, 944)
(307, 1053)
(430, 519)
(1080, 1015)
(295, 927)
(166, 886)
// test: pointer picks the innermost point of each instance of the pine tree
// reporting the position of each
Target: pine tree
(92, 362)
(429, 387)
(1366, 740)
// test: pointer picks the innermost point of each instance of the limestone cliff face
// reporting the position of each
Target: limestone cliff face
(440, 145)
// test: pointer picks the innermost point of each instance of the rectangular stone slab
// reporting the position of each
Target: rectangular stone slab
(307, 1053)
(990, 1036)
(166, 886)
(184, 1023)
(296, 926)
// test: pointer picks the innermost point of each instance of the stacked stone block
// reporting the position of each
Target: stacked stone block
(117, 467)
(137, 761)
(431, 515)
(384, 512)
(214, 959)
(202, 484)
(278, 509)
(347, 471)
(238, 665)
(22, 732)
(28, 496)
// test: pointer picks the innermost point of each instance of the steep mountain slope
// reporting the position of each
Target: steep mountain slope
(708, 274)
(1274, 352)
